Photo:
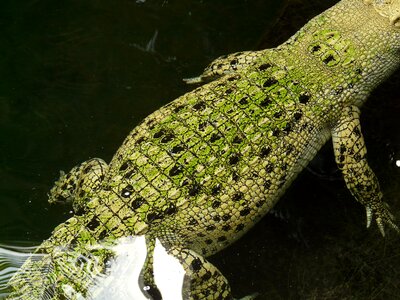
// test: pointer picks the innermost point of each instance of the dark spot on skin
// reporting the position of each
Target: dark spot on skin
(243, 101)
(193, 222)
(177, 149)
(245, 212)
(303, 98)
(264, 67)
(267, 101)
(196, 265)
(138, 202)
(265, 151)
(159, 134)
(152, 216)
(103, 234)
(208, 242)
(328, 59)
(215, 204)
(202, 125)
(87, 170)
(338, 90)
(237, 140)
(237, 196)
(226, 227)
(215, 137)
(270, 82)
(260, 203)
(194, 190)
(357, 157)
(342, 149)
(276, 132)
(226, 218)
(234, 159)
(200, 234)
(80, 211)
(234, 63)
(219, 66)
(152, 290)
(169, 137)
(206, 276)
(210, 228)
(287, 128)
(221, 239)
(358, 71)
(228, 91)
(315, 48)
(126, 192)
(175, 170)
(129, 174)
(171, 209)
(185, 182)
(240, 227)
(278, 114)
(150, 123)
(217, 218)
(341, 158)
(93, 224)
(235, 176)
(215, 190)
(141, 139)
(199, 105)
(357, 131)
(60, 197)
(269, 168)
(233, 78)
(297, 115)
(289, 149)
(284, 166)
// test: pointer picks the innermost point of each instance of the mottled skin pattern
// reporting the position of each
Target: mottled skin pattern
(202, 170)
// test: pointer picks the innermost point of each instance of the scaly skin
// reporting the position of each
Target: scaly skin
(202, 170)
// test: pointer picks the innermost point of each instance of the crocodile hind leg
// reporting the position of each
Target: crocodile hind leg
(350, 153)
(181, 274)
(202, 279)
(77, 185)
(226, 64)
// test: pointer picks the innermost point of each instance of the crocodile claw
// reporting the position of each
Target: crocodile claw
(369, 216)
(382, 216)
(193, 80)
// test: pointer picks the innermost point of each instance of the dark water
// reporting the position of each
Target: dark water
(77, 76)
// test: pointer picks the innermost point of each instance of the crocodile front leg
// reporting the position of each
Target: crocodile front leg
(226, 64)
(350, 153)
(77, 185)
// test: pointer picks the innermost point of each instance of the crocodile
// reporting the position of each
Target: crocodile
(199, 172)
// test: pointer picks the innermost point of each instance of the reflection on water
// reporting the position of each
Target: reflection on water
(89, 274)
(11, 260)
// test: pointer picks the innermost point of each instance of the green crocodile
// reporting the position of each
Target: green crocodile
(199, 172)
